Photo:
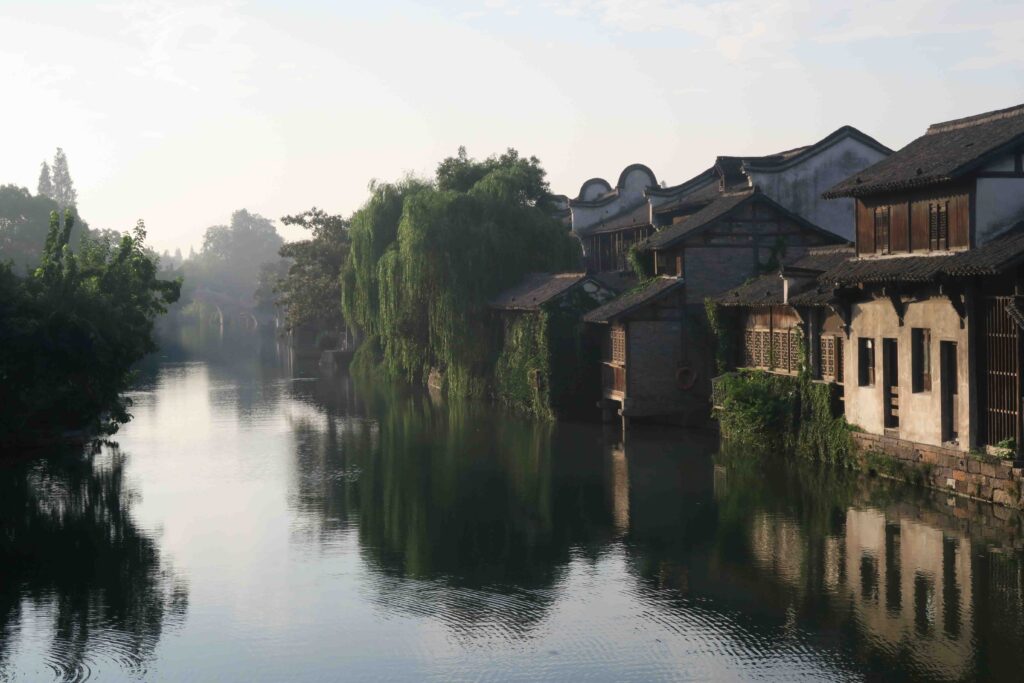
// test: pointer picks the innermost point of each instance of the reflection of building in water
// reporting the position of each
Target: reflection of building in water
(906, 582)
(618, 489)
(779, 546)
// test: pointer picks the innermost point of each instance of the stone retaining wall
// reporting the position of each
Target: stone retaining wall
(980, 477)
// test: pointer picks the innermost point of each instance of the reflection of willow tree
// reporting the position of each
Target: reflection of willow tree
(70, 549)
(455, 497)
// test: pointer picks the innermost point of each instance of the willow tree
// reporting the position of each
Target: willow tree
(427, 257)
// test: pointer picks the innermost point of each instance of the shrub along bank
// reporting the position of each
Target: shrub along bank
(768, 413)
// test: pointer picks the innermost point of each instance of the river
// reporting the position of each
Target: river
(257, 523)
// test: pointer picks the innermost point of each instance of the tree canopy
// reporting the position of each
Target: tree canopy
(72, 330)
(310, 292)
(24, 224)
(426, 257)
(233, 255)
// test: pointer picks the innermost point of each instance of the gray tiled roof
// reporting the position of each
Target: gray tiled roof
(633, 299)
(713, 211)
(767, 289)
(535, 290)
(947, 151)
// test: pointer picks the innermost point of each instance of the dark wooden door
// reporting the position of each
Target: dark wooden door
(948, 384)
(1002, 371)
(891, 383)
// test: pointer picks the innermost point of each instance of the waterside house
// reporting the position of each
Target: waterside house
(933, 297)
(548, 361)
(707, 234)
(794, 179)
(645, 369)
(785, 316)
(922, 325)
(609, 221)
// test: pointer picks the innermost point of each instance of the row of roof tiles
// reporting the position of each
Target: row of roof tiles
(831, 270)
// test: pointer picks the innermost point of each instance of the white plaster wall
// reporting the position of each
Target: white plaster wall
(799, 188)
(920, 413)
(592, 189)
(630, 195)
(635, 182)
(998, 205)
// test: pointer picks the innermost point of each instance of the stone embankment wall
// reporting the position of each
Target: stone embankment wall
(981, 477)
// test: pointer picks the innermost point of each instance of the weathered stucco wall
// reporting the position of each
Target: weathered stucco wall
(799, 187)
(998, 206)
(919, 413)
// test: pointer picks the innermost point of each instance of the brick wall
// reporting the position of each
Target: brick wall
(984, 478)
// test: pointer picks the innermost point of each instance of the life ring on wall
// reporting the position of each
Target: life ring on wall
(686, 377)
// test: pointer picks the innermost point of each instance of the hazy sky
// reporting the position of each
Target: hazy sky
(180, 112)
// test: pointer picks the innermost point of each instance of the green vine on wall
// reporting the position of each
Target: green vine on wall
(640, 262)
(721, 323)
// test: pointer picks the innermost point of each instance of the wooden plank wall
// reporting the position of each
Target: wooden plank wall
(908, 226)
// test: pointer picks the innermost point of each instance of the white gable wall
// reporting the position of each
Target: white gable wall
(630, 194)
(999, 205)
(799, 187)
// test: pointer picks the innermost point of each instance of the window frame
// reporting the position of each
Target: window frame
(921, 359)
(938, 225)
(866, 361)
(883, 225)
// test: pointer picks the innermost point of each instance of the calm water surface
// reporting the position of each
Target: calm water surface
(254, 525)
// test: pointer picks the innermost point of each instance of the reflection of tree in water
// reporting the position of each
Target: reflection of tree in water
(473, 518)
(70, 550)
(462, 512)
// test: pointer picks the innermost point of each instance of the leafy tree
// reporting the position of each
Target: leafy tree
(24, 223)
(45, 186)
(64, 192)
(72, 330)
(427, 257)
(232, 256)
(311, 289)
(271, 275)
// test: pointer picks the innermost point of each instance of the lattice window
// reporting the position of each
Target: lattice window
(618, 345)
(828, 357)
(781, 343)
(749, 352)
(794, 351)
(938, 225)
(764, 349)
